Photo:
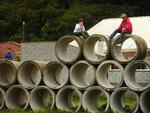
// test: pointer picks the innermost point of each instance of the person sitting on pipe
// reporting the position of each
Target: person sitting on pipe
(124, 28)
(79, 29)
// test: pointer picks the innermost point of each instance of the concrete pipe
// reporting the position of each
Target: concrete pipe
(145, 101)
(29, 73)
(104, 75)
(68, 49)
(2, 98)
(124, 100)
(8, 72)
(138, 54)
(55, 75)
(42, 97)
(95, 100)
(130, 75)
(82, 74)
(68, 98)
(96, 49)
(17, 97)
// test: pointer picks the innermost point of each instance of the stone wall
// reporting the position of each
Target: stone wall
(44, 51)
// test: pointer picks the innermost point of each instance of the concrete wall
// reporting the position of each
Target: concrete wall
(44, 51)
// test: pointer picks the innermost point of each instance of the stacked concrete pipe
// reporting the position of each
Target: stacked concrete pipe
(2, 98)
(30, 73)
(140, 53)
(65, 97)
(117, 97)
(129, 75)
(17, 97)
(42, 97)
(8, 72)
(91, 99)
(88, 49)
(82, 74)
(62, 46)
(55, 75)
(145, 101)
(102, 75)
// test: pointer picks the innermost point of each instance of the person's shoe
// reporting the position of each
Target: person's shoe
(118, 44)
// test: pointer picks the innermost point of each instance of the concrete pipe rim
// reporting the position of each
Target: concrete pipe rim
(62, 92)
(84, 68)
(9, 101)
(117, 95)
(2, 100)
(8, 80)
(116, 50)
(26, 80)
(64, 41)
(86, 94)
(129, 75)
(88, 49)
(34, 106)
(52, 75)
(144, 97)
(102, 75)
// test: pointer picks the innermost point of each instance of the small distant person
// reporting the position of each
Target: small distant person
(8, 55)
(124, 28)
(79, 29)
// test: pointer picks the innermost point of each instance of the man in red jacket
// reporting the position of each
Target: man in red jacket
(124, 28)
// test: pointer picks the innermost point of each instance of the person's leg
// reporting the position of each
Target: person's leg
(77, 34)
(84, 35)
(114, 33)
(122, 36)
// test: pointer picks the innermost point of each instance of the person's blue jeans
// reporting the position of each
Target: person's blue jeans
(122, 33)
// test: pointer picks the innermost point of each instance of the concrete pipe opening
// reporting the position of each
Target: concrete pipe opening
(29, 74)
(124, 100)
(95, 100)
(96, 49)
(17, 97)
(68, 98)
(136, 75)
(42, 97)
(68, 49)
(145, 101)
(137, 49)
(55, 75)
(109, 75)
(82, 74)
(8, 72)
(2, 98)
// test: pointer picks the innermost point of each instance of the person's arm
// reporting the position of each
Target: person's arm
(11, 56)
(77, 28)
(6, 56)
(120, 26)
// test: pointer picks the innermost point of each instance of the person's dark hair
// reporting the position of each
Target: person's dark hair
(81, 20)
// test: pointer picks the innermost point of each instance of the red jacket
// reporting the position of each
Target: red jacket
(126, 25)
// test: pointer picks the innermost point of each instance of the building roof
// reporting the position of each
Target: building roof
(141, 27)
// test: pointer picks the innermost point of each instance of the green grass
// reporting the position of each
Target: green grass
(129, 105)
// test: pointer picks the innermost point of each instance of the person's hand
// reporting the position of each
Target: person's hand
(81, 24)
(124, 29)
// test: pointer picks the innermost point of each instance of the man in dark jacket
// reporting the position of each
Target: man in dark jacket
(124, 28)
